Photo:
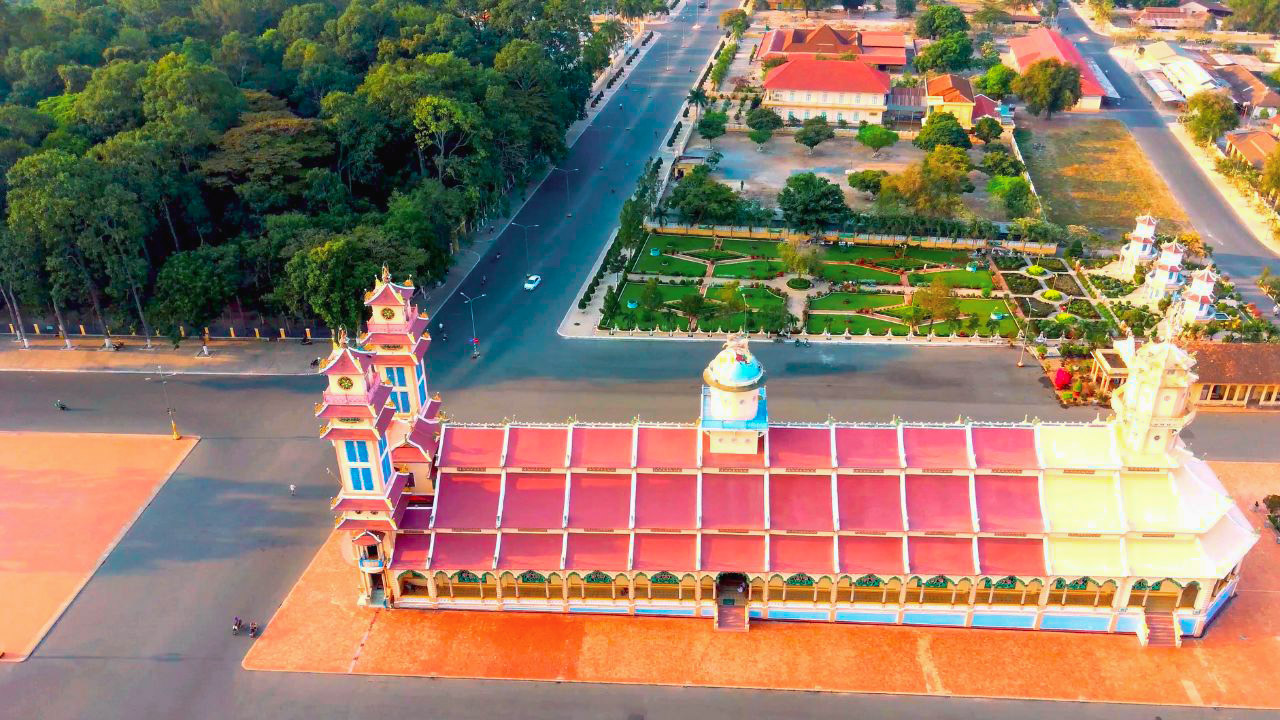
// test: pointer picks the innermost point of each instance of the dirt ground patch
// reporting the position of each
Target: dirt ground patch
(65, 500)
(320, 629)
(1090, 171)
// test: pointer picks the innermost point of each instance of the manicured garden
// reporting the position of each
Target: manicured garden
(633, 291)
(973, 280)
(748, 248)
(855, 324)
(853, 301)
(857, 273)
(648, 264)
(748, 269)
(981, 308)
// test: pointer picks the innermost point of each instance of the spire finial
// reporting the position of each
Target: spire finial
(342, 336)
(386, 274)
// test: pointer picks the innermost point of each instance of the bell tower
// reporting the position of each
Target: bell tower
(1153, 406)
(735, 411)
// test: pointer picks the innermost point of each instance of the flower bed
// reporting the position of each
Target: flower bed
(1020, 284)
(1110, 286)
(1067, 285)
(1083, 308)
(1011, 262)
(853, 301)
(1034, 308)
(1052, 263)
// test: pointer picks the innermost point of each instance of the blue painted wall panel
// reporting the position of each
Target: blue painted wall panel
(867, 617)
(597, 609)
(685, 612)
(784, 614)
(932, 618)
(1000, 620)
(755, 613)
(1128, 623)
(1091, 623)
(1187, 625)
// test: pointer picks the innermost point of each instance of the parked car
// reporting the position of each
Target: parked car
(532, 281)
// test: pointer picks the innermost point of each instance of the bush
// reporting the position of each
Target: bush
(1011, 262)
(1036, 270)
(1272, 502)
(1052, 295)
(799, 283)
(1112, 287)
(1084, 309)
(1020, 284)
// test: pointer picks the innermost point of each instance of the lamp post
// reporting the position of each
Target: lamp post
(566, 172)
(526, 244)
(475, 340)
(1023, 344)
(164, 391)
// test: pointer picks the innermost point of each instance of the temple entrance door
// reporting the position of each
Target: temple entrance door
(377, 591)
(731, 601)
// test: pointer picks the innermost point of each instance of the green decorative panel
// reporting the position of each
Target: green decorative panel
(937, 581)
(466, 576)
(1077, 584)
(868, 581)
(597, 578)
(529, 576)
(412, 574)
(664, 578)
(800, 579)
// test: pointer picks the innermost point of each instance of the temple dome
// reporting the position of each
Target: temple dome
(734, 369)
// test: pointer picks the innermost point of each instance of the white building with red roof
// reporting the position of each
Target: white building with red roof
(840, 90)
(1108, 526)
(1165, 276)
(885, 50)
(1141, 248)
(1044, 44)
(1194, 305)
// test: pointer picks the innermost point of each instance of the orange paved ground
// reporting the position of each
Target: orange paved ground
(65, 500)
(319, 629)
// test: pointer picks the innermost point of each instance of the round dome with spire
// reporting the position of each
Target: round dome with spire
(734, 369)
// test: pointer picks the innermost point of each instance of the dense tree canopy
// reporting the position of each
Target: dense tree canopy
(951, 52)
(810, 203)
(941, 128)
(250, 149)
(1048, 86)
(939, 20)
(1209, 115)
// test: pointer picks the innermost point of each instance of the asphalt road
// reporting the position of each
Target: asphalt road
(1235, 250)
(147, 637)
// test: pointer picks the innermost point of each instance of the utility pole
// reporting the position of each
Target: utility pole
(164, 390)
(475, 339)
(566, 172)
(526, 245)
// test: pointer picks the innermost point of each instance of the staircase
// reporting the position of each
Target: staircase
(1162, 630)
(731, 614)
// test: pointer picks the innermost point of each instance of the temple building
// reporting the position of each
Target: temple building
(1108, 526)
(1141, 248)
(1194, 305)
(1166, 276)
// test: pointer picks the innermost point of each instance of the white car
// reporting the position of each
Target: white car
(532, 281)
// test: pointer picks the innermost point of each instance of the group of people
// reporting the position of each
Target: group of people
(237, 625)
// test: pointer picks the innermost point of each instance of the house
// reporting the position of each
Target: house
(1216, 9)
(1251, 146)
(885, 50)
(1177, 18)
(1190, 77)
(1236, 374)
(839, 90)
(1043, 44)
(1248, 90)
(954, 94)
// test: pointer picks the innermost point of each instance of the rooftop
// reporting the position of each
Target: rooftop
(827, 75)
(1233, 363)
(1042, 44)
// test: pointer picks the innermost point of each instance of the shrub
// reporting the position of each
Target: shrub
(1052, 295)
(1272, 502)
(1036, 270)
(1063, 317)
(799, 283)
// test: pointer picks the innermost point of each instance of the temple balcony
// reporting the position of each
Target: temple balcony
(372, 565)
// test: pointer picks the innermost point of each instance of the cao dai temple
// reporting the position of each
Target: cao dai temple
(1106, 526)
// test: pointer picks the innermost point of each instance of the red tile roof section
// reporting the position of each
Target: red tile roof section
(601, 447)
(861, 554)
(660, 447)
(797, 447)
(1043, 43)
(415, 518)
(463, 551)
(984, 106)
(864, 447)
(1005, 447)
(471, 447)
(599, 501)
(533, 501)
(467, 501)
(811, 554)
(672, 552)
(827, 75)
(1011, 556)
(530, 551)
(411, 552)
(1008, 503)
(666, 501)
(732, 502)
(537, 446)
(936, 447)
(938, 503)
(940, 556)
(800, 502)
(732, 553)
(597, 551)
(869, 502)
(731, 460)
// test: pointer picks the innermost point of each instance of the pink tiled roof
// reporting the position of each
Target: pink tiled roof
(415, 518)
(869, 502)
(352, 523)
(861, 554)
(1043, 43)
(599, 501)
(1011, 556)
(601, 447)
(388, 294)
(533, 501)
(537, 446)
(467, 501)
(800, 447)
(1008, 503)
(530, 551)
(801, 553)
(928, 447)
(666, 501)
(940, 555)
(800, 502)
(864, 447)
(661, 447)
(346, 360)
(1005, 447)
(732, 502)
(730, 553)
(984, 106)
(938, 503)
(597, 551)
(829, 75)
(411, 552)
(479, 447)
(463, 551)
(659, 551)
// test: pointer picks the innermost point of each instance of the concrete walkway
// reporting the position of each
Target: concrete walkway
(226, 357)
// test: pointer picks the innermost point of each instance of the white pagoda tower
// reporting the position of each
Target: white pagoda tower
(735, 411)
(1141, 248)
(1194, 306)
(1166, 276)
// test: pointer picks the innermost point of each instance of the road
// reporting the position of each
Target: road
(1235, 250)
(147, 638)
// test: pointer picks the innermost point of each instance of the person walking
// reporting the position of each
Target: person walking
(293, 489)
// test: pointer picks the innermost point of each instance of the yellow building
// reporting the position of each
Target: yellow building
(839, 90)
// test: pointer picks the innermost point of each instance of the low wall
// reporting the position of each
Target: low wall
(764, 233)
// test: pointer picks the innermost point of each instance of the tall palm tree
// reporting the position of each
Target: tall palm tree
(697, 97)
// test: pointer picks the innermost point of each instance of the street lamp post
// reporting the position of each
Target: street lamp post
(164, 391)
(526, 244)
(475, 340)
(1023, 351)
(566, 172)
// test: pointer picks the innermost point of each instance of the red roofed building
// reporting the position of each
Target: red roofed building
(839, 90)
(1043, 44)
(885, 50)
(736, 519)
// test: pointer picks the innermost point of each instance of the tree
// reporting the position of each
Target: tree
(814, 132)
(867, 181)
(698, 198)
(650, 296)
(760, 136)
(939, 20)
(1209, 115)
(1049, 9)
(1102, 10)
(810, 203)
(176, 82)
(711, 126)
(996, 82)
(904, 8)
(735, 21)
(697, 97)
(1270, 179)
(693, 305)
(941, 128)
(1000, 162)
(950, 53)
(764, 118)
(193, 287)
(991, 15)
(932, 187)
(772, 62)
(446, 126)
(988, 129)
(112, 99)
(937, 300)
(1013, 193)
(1048, 86)
(851, 5)
(876, 137)
(263, 162)
(799, 257)
(808, 5)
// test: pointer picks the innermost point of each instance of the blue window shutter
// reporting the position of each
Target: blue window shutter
(386, 467)
(362, 452)
(351, 450)
(354, 474)
(367, 474)
(404, 402)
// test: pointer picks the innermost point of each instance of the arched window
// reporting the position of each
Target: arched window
(531, 584)
(413, 583)
(961, 591)
(1187, 600)
(621, 587)
(466, 585)
(577, 588)
(507, 583)
(798, 588)
(444, 586)
(777, 588)
(664, 586)
(844, 589)
(688, 587)
(1106, 594)
(488, 586)
(555, 586)
(757, 589)
(1000, 591)
(599, 586)
(642, 586)
(1081, 592)
(822, 593)
(870, 589)
(938, 590)
(708, 584)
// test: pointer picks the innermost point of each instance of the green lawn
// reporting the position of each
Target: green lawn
(982, 307)
(759, 298)
(839, 273)
(857, 325)
(642, 320)
(978, 280)
(904, 263)
(668, 293)
(674, 243)
(856, 252)
(853, 301)
(750, 270)
(667, 265)
(763, 248)
(713, 255)
(939, 256)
